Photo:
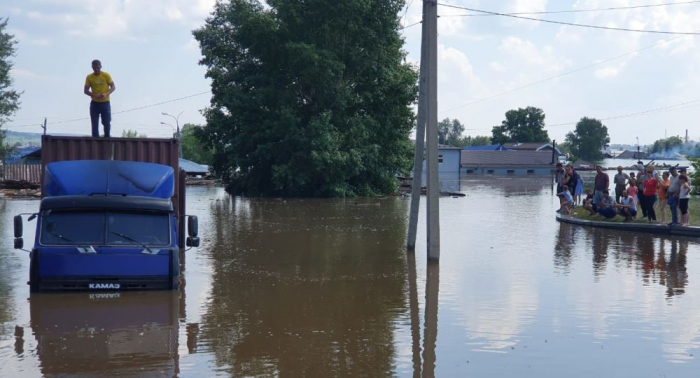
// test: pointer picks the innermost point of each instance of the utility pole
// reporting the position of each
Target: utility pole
(44, 126)
(420, 145)
(177, 123)
(433, 205)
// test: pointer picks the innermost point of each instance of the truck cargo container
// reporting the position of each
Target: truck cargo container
(111, 215)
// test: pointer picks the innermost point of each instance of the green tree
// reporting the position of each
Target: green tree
(9, 98)
(194, 144)
(589, 139)
(667, 144)
(469, 141)
(309, 98)
(450, 131)
(521, 126)
(695, 176)
(132, 134)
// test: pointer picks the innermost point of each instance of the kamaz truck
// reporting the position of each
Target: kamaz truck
(109, 219)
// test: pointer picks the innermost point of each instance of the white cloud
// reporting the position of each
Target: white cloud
(192, 45)
(525, 6)
(22, 73)
(128, 20)
(606, 72)
(523, 55)
(23, 37)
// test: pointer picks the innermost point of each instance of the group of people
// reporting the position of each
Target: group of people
(644, 191)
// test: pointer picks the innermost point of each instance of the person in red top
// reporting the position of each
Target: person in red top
(650, 187)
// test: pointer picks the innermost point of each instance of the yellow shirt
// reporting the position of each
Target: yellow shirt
(99, 84)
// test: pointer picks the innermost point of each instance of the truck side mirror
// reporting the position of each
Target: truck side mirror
(192, 226)
(18, 226)
(19, 243)
(192, 241)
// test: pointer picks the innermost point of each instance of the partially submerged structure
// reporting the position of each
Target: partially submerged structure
(510, 162)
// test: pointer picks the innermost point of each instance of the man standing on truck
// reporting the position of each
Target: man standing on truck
(99, 85)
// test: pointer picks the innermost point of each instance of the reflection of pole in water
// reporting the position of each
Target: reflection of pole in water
(432, 285)
(415, 319)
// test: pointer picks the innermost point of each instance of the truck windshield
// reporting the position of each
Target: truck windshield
(104, 228)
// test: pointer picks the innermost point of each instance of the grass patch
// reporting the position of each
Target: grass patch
(693, 207)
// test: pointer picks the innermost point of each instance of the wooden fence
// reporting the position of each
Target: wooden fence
(21, 172)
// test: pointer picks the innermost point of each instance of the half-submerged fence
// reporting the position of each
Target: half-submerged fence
(21, 172)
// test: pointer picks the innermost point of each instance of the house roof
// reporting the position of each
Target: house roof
(580, 163)
(192, 167)
(506, 158)
(535, 146)
(21, 153)
(627, 154)
(524, 146)
(493, 147)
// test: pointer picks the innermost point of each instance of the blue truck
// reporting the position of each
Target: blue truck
(108, 225)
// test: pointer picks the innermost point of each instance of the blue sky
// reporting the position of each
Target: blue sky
(147, 47)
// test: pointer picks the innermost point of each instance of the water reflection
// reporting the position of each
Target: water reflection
(660, 260)
(432, 287)
(106, 334)
(306, 287)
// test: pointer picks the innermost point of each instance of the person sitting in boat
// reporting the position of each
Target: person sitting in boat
(566, 201)
(588, 202)
(607, 207)
(627, 207)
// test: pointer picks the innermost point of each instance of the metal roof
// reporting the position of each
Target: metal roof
(493, 147)
(523, 158)
(192, 167)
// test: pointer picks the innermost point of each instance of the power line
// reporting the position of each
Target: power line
(570, 23)
(636, 114)
(573, 10)
(134, 109)
(413, 24)
(563, 74)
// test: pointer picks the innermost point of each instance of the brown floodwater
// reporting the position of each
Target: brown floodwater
(325, 288)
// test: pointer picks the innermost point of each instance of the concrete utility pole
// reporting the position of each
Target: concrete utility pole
(420, 145)
(433, 206)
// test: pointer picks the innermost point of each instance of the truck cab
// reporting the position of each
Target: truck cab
(106, 225)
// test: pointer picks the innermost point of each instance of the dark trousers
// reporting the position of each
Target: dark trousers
(97, 110)
(674, 210)
(642, 202)
(649, 205)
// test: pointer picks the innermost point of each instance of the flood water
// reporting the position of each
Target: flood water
(325, 288)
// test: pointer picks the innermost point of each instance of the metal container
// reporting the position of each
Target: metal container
(150, 150)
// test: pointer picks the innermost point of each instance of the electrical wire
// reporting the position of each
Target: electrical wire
(575, 10)
(570, 23)
(414, 24)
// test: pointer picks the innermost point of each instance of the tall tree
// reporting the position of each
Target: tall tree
(9, 98)
(521, 126)
(667, 144)
(450, 131)
(310, 98)
(589, 139)
(194, 148)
